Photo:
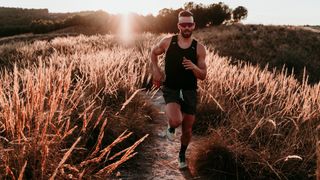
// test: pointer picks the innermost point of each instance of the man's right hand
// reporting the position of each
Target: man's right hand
(157, 77)
(157, 84)
(160, 48)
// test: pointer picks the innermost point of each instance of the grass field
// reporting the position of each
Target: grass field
(294, 47)
(62, 107)
(65, 105)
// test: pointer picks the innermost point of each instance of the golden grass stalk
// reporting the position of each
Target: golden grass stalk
(107, 149)
(65, 157)
(129, 153)
(129, 99)
(22, 171)
(100, 137)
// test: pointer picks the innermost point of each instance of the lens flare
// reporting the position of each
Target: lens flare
(125, 29)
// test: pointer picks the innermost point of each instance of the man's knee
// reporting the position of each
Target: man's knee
(175, 121)
(174, 114)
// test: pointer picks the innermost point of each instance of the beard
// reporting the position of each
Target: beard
(186, 33)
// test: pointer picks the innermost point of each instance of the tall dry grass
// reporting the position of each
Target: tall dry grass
(53, 93)
(267, 119)
(273, 45)
(63, 108)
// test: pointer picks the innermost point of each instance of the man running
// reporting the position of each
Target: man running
(184, 64)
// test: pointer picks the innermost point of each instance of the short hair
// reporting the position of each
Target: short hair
(185, 13)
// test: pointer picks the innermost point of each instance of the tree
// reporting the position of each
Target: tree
(213, 14)
(189, 6)
(200, 14)
(167, 20)
(219, 13)
(239, 13)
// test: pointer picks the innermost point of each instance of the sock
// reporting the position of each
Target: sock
(172, 130)
(183, 150)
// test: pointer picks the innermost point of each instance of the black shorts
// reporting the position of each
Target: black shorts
(186, 98)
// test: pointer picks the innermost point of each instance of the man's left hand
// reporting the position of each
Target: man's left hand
(188, 64)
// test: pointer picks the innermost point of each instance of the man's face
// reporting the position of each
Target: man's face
(186, 25)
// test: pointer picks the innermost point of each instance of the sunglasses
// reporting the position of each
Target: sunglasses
(184, 25)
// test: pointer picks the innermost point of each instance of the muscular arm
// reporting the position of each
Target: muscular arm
(157, 50)
(199, 70)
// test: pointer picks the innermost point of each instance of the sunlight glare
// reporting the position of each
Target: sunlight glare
(125, 29)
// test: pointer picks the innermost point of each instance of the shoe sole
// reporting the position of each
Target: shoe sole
(172, 139)
(183, 167)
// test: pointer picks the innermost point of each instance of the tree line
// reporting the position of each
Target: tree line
(103, 22)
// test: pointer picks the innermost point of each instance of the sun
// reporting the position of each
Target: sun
(125, 8)
(142, 7)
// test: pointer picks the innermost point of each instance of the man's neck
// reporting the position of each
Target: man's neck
(183, 39)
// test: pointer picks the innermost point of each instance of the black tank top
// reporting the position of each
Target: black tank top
(177, 77)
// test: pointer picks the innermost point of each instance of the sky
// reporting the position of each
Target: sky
(276, 12)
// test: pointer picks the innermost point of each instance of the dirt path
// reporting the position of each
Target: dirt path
(158, 159)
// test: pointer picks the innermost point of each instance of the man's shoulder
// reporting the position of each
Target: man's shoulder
(200, 45)
(167, 38)
(201, 49)
(165, 41)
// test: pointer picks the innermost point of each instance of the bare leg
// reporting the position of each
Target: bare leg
(187, 124)
(174, 115)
